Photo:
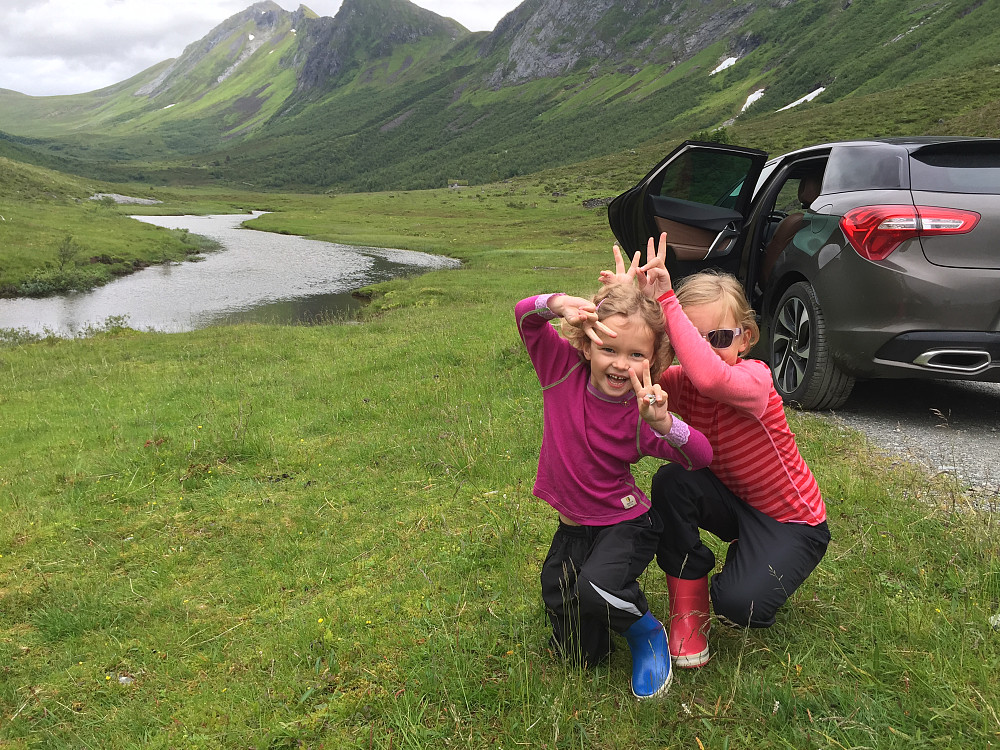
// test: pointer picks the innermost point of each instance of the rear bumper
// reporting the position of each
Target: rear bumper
(960, 355)
(904, 318)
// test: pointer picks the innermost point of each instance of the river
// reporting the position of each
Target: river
(257, 277)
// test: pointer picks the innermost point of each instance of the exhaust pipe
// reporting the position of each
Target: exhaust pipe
(966, 361)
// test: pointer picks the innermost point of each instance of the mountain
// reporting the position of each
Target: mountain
(551, 39)
(388, 95)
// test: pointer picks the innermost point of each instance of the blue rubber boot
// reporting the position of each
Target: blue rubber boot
(647, 641)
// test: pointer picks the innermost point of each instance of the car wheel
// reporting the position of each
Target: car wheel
(805, 376)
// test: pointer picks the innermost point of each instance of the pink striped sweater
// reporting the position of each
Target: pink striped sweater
(737, 408)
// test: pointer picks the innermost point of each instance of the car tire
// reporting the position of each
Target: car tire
(804, 373)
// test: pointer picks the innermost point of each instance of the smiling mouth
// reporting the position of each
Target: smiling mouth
(618, 381)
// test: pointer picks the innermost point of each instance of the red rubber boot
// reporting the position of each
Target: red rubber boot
(689, 621)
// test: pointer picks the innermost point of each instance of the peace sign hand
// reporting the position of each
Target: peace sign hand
(655, 270)
(652, 400)
(620, 275)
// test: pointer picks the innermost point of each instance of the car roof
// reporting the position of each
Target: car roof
(907, 143)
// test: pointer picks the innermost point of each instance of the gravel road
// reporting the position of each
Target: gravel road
(948, 426)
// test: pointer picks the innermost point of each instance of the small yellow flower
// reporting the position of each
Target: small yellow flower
(320, 620)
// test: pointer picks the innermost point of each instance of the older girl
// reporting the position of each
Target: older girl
(758, 494)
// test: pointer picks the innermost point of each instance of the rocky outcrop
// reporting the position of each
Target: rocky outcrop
(364, 30)
(548, 38)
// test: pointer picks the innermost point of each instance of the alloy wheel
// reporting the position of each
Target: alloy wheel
(791, 345)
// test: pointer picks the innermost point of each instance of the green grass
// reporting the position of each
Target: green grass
(53, 238)
(324, 536)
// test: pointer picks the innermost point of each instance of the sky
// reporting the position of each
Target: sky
(51, 47)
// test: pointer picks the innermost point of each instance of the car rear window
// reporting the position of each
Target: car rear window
(956, 168)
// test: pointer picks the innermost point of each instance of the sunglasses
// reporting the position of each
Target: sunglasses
(722, 338)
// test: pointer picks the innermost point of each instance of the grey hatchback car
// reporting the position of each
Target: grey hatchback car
(863, 259)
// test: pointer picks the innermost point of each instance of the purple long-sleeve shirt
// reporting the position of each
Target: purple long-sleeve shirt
(590, 439)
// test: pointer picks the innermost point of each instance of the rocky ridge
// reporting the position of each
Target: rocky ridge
(548, 38)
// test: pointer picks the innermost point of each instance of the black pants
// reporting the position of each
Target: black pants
(766, 560)
(590, 583)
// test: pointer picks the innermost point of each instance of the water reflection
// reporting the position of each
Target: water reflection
(259, 277)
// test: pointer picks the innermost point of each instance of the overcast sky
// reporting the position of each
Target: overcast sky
(50, 47)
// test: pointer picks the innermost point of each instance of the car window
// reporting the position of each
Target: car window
(788, 197)
(731, 196)
(864, 168)
(704, 177)
(956, 168)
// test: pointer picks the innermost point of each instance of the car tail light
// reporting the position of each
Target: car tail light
(875, 231)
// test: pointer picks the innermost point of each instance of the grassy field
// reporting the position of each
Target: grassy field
(324, 536)
(55, 238)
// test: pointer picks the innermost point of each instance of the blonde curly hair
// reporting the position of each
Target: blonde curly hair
(626, 300)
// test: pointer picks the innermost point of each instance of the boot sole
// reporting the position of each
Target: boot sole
(690, 661)
(660, 692)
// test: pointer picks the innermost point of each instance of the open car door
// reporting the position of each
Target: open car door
(700, 196)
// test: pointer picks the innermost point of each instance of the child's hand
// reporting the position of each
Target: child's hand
(652, 400)
(655, 271)
(580, 313)
(652, 278)
(620, 275)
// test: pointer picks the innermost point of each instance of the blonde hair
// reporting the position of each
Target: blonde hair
(711, 287)
(628, 301)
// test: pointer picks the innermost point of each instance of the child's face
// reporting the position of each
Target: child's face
(609, 363)
(714, 316)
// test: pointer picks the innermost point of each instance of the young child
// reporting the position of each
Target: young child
(758, 494)
(598, 418)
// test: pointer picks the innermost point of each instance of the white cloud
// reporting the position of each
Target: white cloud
(50, 47)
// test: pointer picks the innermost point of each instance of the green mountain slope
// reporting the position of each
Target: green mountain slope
(388, 95)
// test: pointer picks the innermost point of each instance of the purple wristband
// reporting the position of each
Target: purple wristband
(678, 434)
(542, 305)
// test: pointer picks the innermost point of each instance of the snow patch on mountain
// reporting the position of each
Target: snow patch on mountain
(727, 63)
(807, 98)
(751, 99)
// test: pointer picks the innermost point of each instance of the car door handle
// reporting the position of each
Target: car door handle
(726, 236)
